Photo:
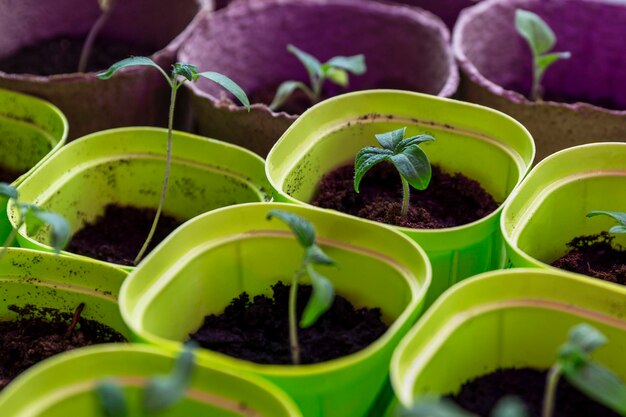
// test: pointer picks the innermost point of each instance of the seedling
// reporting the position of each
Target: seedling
(506, 407)
(180, 74)
(35, 218)
(323, 292)
(618, 216)
(161, 392)
(334, 70)
(106, 6)
(405, 154)
(541, 40)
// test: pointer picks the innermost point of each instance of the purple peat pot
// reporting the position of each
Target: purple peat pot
(138, 96)
(585, 96)
(404, 47)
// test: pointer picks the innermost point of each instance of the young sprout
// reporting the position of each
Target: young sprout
(405, 154)
(180, 74)
(506, 407)
(106, 6)
(323, 292)
(541, 40)
(334, 70)
(618, 216)
(160, 393)
(34, 218)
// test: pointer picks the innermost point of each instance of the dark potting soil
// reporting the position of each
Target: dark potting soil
(258, 330)
(118, 235)
(596, 256)
(61, 56)
(8, 175)
(450, 199)
(480, 395)
(41, 333)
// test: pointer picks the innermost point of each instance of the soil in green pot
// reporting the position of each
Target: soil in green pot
(258, 330)
(450, 199)
(481, 395)
(40, 333)
(61, 56)
(8, 175)
(118, 235)
(596, 256)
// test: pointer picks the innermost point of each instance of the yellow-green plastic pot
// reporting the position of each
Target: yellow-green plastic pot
(481, 143)
(549, 208)
(30, 130)
(64, 386)
(505, 319)
(214, 257)
(126, 166)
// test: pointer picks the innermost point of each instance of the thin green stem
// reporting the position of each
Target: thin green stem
(406, 196)
(10, 239)
(293, 319)
(317, 89)
(549, 394)
(168, 165)
(536, 93)
(91, 37)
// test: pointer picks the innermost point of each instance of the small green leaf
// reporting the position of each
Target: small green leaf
(337, 76)
(390, 140)
(354, 64)
(543, 62)
(312, 64)
(316, 255)
(600, 384)
(284, 91)
(435, 408)
(617, 230)
(535, 30)
(188, 71)
(618, 216)
(414, 166)
(366, 159)
(229, 85)
(59, 228)
(130, 62)
(112, 399)
(413, 140)
(587, 338)
(321, 299)
(301, 228)
(8, 191)
(509, 407)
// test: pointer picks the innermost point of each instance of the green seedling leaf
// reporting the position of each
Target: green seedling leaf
(188, 71)
(315, 255)
(284, 91)
(509, 407)
(229, 85)
(337, 76)
(600, 384)
(390, 140)
(586, 338)
(8, 191)
(354, 64)
(312, 64)
(618, 216)
(543, 62)
(112, 400)
(366, 159)
(131, 62)
(59, 228)
(301, 228)
(535, 30)
(321, 298)
(435, 408)
(412, 163)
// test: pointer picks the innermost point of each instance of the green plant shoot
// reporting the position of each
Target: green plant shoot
(160, 393)
(334, 70)
(35, 219)
(506, 407)
(541, 40)
(405, 154)
(180, 74)
(106, 6)
(323, 292)
(618, 216)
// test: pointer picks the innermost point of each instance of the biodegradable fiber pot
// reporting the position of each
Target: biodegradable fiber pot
(496, 65)
(330, 134)
(64, 386)
(548, 209)
(139, 96)
(505, 319)
(404, 48)
(126, 166)
(211, 259)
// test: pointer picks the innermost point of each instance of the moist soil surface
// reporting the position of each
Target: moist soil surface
(118, 235)
(258, 330)
(41, 333)
(596, 256)
(8, 175)
(450, 199)
(480, 395)
(61, 56)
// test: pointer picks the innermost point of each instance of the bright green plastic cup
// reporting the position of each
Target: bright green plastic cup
(483, 144)
(214, 257)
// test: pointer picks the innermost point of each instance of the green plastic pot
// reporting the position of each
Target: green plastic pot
(211, 259)
(64, 386)
(467, 136)
(505, 319)
(127, 165)
(548, 209)
(30, 130)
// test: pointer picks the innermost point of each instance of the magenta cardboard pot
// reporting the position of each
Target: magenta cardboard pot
(138, 96)
(495, 65)
(404, 48)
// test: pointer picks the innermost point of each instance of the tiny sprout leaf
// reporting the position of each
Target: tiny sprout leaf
(435, 408)
(112, 399)
(59, 228)
(312, 64)
(321, 298)
(354, 64)
(413, 140)
(229, 85)
(301, 228)
(600, 384)
(535, 30)
(316, 255)
(543, 62)
(188, 71)
(337, 76)
(366, 159)
(617, 230)
(8, 191)
(586, 338)
(390, 140)
(129, 62)
(414, 166)
(509, 407)
(618, 216)
(284, 91)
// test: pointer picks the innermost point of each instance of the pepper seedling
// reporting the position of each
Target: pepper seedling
(541, 40)
(405, 154)
(323, 293)
(106, 6)
(180, 74)
(35, 218)
(160, 393)
(506, 407)
(618, 216)
(334, 70)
